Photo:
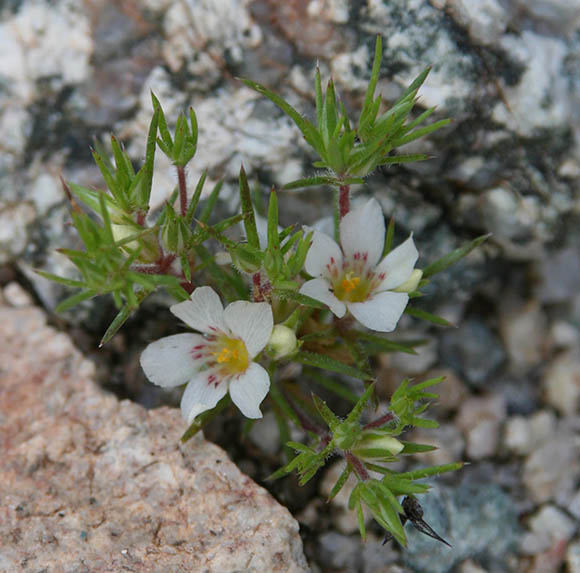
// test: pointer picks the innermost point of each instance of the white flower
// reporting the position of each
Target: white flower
(351, 277)
(218, 361)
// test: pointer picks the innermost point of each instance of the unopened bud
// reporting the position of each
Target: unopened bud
(175, 234)
(374, 445)
(246, 259)
(412, 283)
(282, 342)
(149, 250)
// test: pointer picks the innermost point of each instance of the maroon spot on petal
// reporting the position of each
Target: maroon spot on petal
(365, 256)
(382, 276)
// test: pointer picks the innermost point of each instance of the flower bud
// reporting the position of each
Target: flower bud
(282, 342)
(175, 234)
(412, 283)
(376, 445)
(149, 250)
(245, 259)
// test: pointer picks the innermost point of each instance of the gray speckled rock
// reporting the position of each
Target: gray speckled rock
(473, 350)
(552, 470)
(88, 483)
(478, 520)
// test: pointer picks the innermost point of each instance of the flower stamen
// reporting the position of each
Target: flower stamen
(350, 282)
(232, 355)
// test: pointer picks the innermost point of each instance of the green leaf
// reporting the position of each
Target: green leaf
(74, 300)
(333, 385)
(431, 471)
(62, 280)
(114, 327)
(299, 298)
(330, 114)
(211, 202)
(165, 142)
(340, 482)
(453, 257)
(248, 211)
(370, 94)
(326, 413)
(389, 237)
(403, 159)
(205, 417)
(421, 132)
(377, 343)
(308, 130)
(427, 384)
(429, 317)
(273, 237)
(323, 180)
(414, 448)
(195, 199)
(357, 411)
(145, 188)
(328, 363)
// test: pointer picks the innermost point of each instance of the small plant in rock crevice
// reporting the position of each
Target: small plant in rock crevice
(281, 295)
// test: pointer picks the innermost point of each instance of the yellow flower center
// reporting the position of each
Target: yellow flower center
(352, 288)
(349, 282)
(231, 354)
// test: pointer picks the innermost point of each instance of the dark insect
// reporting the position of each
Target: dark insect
(414, 514)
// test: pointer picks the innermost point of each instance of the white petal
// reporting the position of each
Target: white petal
(398, 265)
(380, 312)
(320, 290)
(363, 231)
(169, 361)
(203, 312)
(201, 395)
(250, 321)
(249, 389)
(322, 252)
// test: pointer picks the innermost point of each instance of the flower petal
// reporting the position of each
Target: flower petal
(398, 265)
(249, 389)
(169, 361)
(202, 394)
(322, 252)
(203, 312)
(380, 312)
(320, 290)
(363, 231)
(252, 322)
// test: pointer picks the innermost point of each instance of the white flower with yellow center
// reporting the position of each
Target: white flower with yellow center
(218, 361)
(352, 276)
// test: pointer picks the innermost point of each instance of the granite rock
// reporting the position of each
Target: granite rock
(89, 483)
(552, 469)
(478, 520)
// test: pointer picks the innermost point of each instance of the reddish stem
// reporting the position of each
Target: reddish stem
(379, 421)
(358, 466)
(182, 190)
(344, 200)
(257, 282)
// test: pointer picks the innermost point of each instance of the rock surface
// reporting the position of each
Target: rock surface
(88, 483)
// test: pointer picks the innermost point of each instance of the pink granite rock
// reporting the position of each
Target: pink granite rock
(88, 483)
